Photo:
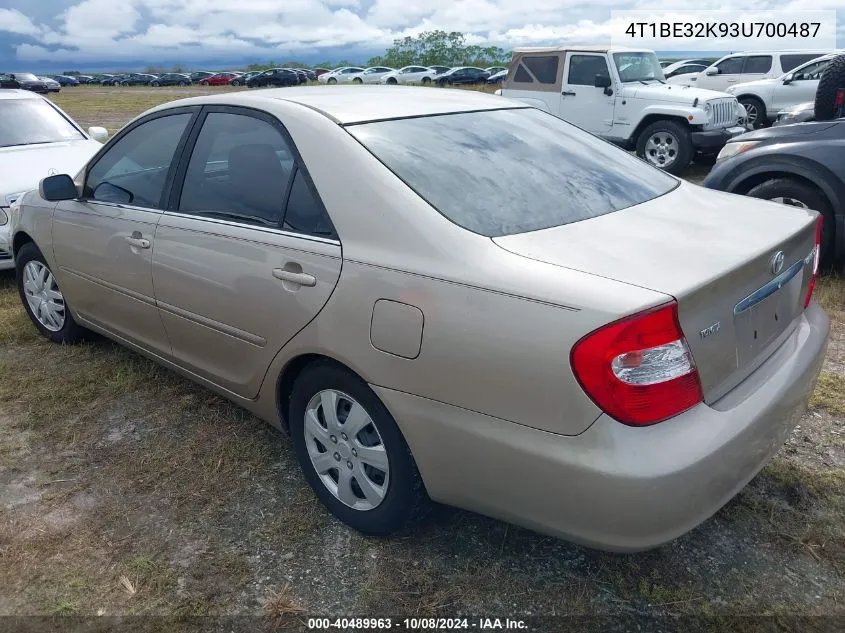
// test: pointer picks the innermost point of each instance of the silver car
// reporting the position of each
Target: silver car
(444, 295)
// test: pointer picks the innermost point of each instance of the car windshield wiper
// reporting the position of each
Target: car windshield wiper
(30, 143)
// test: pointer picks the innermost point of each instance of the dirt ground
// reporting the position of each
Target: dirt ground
(126, 490)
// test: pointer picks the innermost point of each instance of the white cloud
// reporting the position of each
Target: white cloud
(94, 30)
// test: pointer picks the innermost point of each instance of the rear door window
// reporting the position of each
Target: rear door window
(788, 62)
(510, 171)
(757, 64)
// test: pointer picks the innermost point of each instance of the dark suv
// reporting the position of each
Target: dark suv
(276, 77)
(801, 165)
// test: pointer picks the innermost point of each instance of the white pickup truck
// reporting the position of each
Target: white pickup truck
(620, 94)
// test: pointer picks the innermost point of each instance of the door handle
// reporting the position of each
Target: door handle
(137, 241)
(302, 279)
(568, 93)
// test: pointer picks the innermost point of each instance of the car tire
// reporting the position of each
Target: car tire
(391, 81)
(426, 81)
(666, 145)
(182, 83)
(235, 82)
(758, 108)
(30, 265)
(832, 79)
(203, 83)
(357, 80)
(331, 80)
(155, 84)
(401, 500)
(803, 195)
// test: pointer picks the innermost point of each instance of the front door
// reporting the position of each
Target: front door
(103, 243)
(581, 103)
(800, 89)
(728, 73)
(246, 256)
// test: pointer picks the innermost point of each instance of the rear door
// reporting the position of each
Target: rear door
(246, 255)
(581, 103)
(757, 67)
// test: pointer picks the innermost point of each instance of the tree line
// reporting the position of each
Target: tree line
(430, 48)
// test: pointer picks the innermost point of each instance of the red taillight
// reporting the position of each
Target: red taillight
(816, 256)
(639, 370)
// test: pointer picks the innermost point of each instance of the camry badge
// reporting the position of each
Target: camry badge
(710, 330)
(777, 262)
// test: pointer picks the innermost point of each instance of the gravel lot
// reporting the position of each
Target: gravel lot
(126, 490)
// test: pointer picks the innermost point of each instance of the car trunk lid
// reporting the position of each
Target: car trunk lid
(715, 253)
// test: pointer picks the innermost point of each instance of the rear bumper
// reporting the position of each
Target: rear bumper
(615, 487)
(714, 140)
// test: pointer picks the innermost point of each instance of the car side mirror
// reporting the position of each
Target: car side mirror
(98, 133)
(788, 79)
(712, 70)
(602, 81)
(57, 188)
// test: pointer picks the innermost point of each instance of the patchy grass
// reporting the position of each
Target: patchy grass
(830, 394)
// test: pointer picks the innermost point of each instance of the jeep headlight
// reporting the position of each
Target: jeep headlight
(708, 112)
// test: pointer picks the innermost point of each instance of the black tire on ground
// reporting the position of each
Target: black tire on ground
(391, 81)
(332, 80)
(357, 80)
(70, 332)
(235, 82)
(203, 83)
(155, 84)
(809, 195)
(756, 110)
(426, 81)
(182, 83)
(679, 153)
(405, 500)
(832, 79)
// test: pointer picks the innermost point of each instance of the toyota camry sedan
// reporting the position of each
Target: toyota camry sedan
(447, 296)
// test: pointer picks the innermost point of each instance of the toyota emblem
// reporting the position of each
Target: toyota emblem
(777, 262)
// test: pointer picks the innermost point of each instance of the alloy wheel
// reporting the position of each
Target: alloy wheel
(43, 296)
(346, 450)
(661, 149)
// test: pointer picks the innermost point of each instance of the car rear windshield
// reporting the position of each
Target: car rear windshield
(31, 122)
(501, 172)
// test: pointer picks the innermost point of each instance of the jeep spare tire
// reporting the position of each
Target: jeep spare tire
(666, 145)
(832, 79)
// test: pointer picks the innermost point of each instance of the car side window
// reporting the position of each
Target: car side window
(811, 72)
(304, 212)
(584, 68)
(730, 66)
(543, 67)
(757, 64)
(134, 170)
(240, 167)
(788, 62)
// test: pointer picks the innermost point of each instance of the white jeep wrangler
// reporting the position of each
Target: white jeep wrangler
(620, 94)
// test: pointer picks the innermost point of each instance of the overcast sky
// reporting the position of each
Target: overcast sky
(80, 32)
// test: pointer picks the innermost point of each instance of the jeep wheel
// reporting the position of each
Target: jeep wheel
(832, 80)
(755, 111)
(666, 145)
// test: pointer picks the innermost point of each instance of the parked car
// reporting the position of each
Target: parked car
(666, 126)
(801, 113)
(220, 79)
(301, 74)
(463, 75)
(274, 77)
(198, 75)
(65, 80)
(52, 84)
(241, 80)
(764, 99)
(23, 81)
(498, 78)
(683, 66)
(667, 415)
(797, 165)
(110, 80)
(171, 79)
(85, 79)
(750, 66)
(409, 75)
(341, 75)
(36, 137)
(492, 70)
(137, 79)
(371, 75)
(309, 74)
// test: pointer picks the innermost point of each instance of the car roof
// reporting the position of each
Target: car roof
(11, 93)
(362, 104)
